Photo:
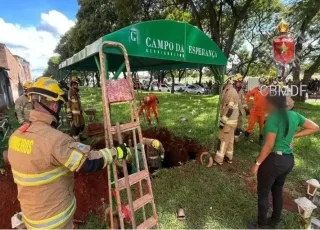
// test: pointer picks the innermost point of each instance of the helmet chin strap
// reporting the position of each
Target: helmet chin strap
(53, 113)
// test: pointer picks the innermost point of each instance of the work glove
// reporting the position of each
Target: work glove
(122, 151)
(222, 122)
(69, 116)
(247, 111)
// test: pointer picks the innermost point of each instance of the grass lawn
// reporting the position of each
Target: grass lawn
(216, 197)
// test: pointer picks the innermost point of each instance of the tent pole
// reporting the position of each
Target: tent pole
(116, 75)
(96, 59)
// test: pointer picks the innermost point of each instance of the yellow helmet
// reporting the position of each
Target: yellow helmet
(27, 85)
(238, 77)
(48, 88)
(156, 144)
(75, 79)
(226, 79)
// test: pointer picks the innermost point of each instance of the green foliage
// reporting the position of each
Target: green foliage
(53, 67)
(179, 15)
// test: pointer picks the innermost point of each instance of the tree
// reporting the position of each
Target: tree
(304, 17)
(53, 67)
(256, 48)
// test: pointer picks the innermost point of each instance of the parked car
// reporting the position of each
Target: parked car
(179, 87)
(164, 88)
(138, 85)
(194, 89)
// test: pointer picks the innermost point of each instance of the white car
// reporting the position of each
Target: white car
(179, 87)
(194, 89)
(164, 88)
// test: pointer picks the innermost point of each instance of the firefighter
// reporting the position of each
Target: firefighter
(22, 105)
(229, 113)
(243, 107)
(43, 161)
(74, 109)
(154, 153)
(150, 102)
(257, 113)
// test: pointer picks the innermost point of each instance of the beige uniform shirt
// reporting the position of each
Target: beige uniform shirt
(154, 156)
(43, 160)
(23, 107)
(230, 99)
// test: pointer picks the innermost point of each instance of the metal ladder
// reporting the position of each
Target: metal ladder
(134, 126)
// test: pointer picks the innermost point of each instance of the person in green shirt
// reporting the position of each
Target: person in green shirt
(276, 160)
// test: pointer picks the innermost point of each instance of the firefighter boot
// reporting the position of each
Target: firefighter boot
(248, 136)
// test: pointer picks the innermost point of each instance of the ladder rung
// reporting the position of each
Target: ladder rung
(125, 127)
(133, 179)
(142, 201)
(149, 223)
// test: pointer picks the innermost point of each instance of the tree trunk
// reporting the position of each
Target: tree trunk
(200, 75)
(150, 80)
(172, 86)
(98, 79)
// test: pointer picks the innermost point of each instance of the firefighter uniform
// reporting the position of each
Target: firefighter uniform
(229, 113)
(243, 106)
(154, 153)
(257, 113)
(23, 106)
(74, 110)
(150, 102)
(43, 160)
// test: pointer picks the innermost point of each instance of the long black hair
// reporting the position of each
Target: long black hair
(278, 99)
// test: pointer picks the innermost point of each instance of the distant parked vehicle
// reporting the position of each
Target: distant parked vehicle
(194, 89)
(164, 88)
(179, 87)
(138, 85)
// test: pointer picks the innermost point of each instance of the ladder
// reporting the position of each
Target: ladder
(114, 91)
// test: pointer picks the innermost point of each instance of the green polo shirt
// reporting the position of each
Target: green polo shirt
(276, 124)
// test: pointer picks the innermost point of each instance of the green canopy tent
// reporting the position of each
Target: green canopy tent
(152, 45)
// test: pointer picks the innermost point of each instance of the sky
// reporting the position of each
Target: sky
(32, 28)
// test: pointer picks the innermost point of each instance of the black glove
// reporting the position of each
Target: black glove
(122, 151)
(69, 116)
(221, 124)
(158, 102)
(247, 111)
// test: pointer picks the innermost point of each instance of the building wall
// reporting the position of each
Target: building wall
(17, 68)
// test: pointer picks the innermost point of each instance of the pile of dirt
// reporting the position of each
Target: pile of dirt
(9, 202)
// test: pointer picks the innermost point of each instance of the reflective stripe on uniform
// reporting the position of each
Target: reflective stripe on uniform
(232, 122)
(54, 221)
(74, 100)
(74, 160)
(38, 179)
(107, 156)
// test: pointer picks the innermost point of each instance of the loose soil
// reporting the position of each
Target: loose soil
(91, 189)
